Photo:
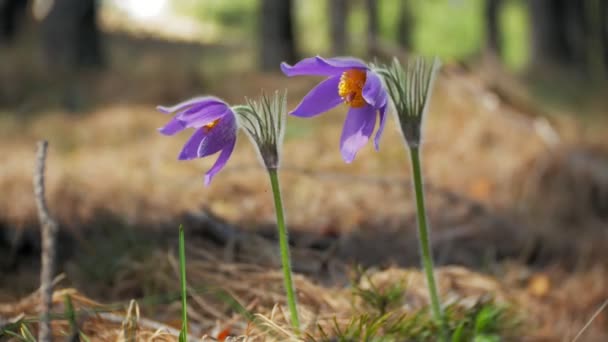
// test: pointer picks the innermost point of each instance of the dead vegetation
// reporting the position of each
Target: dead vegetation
(520, 197)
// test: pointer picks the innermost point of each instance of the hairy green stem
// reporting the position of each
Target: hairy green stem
(284, 247)
(183, 337)
(423, 236)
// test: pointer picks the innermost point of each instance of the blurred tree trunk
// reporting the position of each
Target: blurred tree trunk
(277, 37)
(72, 43)
(71, 36)
(593, 27)
(12, 12)
(492, 19)
(578, 34)
(371, 7)
(604, 25)
(338, 10)
(404, 25)
(568, 34)
(549, 39)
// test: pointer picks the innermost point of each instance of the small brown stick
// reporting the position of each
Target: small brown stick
(49, 231)
(597, 312)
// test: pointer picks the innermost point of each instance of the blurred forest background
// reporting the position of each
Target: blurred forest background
(516, 151)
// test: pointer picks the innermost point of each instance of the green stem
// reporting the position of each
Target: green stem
(182, 280)
(284, 246)
(423, 235)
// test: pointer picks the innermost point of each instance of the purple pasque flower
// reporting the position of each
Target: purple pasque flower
(214, 126)
(349, 81)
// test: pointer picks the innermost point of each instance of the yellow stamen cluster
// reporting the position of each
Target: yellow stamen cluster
(210, 125)
(350, 88)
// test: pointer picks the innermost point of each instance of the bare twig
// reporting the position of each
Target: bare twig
(48, 231)
(597, 312)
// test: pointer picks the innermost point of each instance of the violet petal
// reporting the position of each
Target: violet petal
(191, 147)
(358, 127)
(374, 92)
(321, 98)
(188, 103)
(322, 67)
(344, 62)
(172, 127)
(218, 137)
(206, 116)
(220, 162)
(382, 115)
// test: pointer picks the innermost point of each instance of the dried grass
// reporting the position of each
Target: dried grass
(262, 291)
(111, 162)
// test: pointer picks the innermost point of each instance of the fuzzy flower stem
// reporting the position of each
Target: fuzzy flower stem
(423, 236)
(264, 122)
(284, 247)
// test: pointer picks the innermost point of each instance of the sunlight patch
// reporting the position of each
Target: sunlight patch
(143, 8)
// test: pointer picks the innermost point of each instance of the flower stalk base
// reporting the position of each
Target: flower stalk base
(284, 247)
(423, 236)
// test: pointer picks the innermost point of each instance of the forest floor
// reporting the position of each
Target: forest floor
(517, 197)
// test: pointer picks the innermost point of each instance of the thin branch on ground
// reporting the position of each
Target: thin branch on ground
(48, 231)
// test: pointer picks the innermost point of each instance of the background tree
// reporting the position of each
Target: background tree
(71, 35)
(604, 24)
(405, 23)
(371, 7)
(493, 43)
(595, 24)
(338, 11)
(12, 13)
(568, 34)
(548, 39)
(277, 34)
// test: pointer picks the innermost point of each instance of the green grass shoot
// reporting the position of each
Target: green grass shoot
(25, 334)
(70, 314)
(183, 335)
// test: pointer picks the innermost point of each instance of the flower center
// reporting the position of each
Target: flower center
(210, 125)
(350, 88)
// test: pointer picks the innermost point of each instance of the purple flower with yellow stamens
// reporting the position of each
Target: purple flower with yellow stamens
(349, 81)
(214, 126)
